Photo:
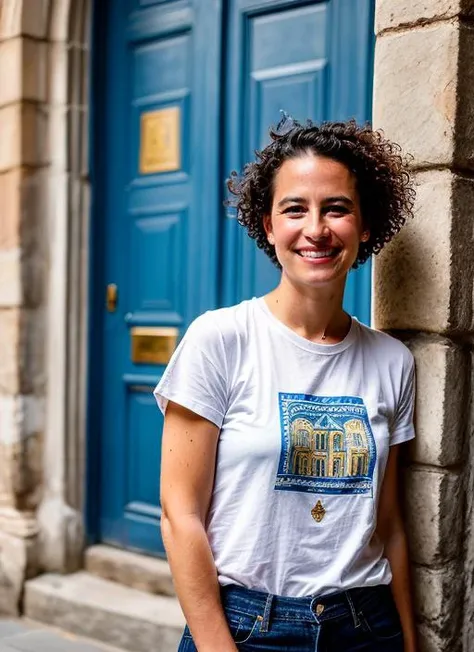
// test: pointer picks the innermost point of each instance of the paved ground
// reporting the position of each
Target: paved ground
(25, 636)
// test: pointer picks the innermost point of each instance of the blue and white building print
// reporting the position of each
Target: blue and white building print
(327, 445)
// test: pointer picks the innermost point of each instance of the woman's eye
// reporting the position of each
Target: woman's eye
(294, 210)
(337, 210)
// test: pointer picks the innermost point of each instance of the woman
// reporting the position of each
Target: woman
(283, 416)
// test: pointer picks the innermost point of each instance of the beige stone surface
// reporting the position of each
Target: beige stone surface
(412, 275)
(10, 279)
(415, 95)
(21, 451)
(20, 417)
(16, 562)
(23, 133)
(441, 377)
(423, 279)
(22, 70)
(22, 344)
(433, 515)
(439, 598)
(430, 641)
(10, 184)
(396, 13)
(137, 571)
(9, 351)
(102, 610)
(28, 17)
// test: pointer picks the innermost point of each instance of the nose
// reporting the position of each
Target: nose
(315, 226)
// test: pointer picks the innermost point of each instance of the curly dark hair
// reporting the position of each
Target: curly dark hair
(384, 185)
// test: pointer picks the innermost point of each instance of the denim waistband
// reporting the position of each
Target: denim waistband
(310, 609)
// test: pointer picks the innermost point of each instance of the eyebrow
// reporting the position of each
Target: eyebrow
(327, 200)
(339, 198)
(291, 200)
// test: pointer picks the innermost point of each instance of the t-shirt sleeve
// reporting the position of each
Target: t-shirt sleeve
(196, 374)
(402, 425)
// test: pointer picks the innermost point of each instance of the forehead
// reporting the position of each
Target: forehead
(315, 174)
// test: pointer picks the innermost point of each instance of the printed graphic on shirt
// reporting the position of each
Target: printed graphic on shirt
(327, 445)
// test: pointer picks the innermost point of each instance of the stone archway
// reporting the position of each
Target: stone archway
(44, 66)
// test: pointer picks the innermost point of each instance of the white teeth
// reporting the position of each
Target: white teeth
(317, 254)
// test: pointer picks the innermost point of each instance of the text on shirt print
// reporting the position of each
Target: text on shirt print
(327, 445)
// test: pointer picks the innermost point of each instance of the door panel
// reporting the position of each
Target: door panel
(163, 72)
(321, 73)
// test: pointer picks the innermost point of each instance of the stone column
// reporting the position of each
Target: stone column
(22, 159)
(423, 290)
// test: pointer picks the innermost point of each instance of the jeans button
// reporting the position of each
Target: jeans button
(319, 609)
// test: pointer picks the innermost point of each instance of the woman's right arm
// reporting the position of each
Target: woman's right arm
(187, 476)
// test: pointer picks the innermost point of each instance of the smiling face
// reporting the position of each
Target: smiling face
(315, 222)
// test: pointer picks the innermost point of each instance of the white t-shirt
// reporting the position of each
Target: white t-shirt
(305, 431)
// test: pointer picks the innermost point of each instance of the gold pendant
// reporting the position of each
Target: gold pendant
(318, 512)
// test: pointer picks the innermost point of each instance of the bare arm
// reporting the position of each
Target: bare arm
(187, 477)
(391, 530)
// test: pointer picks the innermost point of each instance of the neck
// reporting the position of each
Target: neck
(313, 313)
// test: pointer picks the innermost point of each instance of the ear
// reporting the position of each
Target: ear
(365, 235)
(267, 225)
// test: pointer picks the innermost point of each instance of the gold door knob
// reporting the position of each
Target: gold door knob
(112, 295)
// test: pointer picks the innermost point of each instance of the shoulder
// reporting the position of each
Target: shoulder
(223, 326)
(387, 348)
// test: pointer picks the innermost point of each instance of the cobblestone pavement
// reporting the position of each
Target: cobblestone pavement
(24, 636)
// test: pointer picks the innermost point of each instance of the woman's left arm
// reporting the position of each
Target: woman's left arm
(391, 530)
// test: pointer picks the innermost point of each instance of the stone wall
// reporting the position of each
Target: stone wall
(423, 292)
(43, 209)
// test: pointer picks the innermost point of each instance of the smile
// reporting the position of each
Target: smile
(311, 253)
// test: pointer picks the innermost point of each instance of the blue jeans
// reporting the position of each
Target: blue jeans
(358, 620)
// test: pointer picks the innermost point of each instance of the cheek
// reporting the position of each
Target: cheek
(285, 231)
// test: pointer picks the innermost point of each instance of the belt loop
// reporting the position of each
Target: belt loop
(355, 617)
(266, 614)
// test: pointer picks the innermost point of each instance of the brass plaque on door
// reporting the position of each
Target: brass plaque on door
(153, 345)
(160, 141)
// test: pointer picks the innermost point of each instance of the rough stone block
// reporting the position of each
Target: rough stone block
(429, 641)
(10, 186)
(130, 569)
(16, 555)
(422, 79)
(102, 610)
(22, 351)
(433, 515)
(20, 417)
(439, 598)
(9, 350)
(10, 279)
(24, 17)
(58, 61)
(21, 450)
(60, 21)
(423, 279)
(441, 377)
(403, 13)
(23, 66)
(23, 135)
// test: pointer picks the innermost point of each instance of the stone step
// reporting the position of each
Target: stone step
(131, 569)
(106, 611)
(23, 635)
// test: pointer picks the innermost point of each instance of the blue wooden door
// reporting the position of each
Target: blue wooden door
(160, 208)
(312, 60)
(187, 92)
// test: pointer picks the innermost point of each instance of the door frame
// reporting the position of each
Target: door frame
(97, 234)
